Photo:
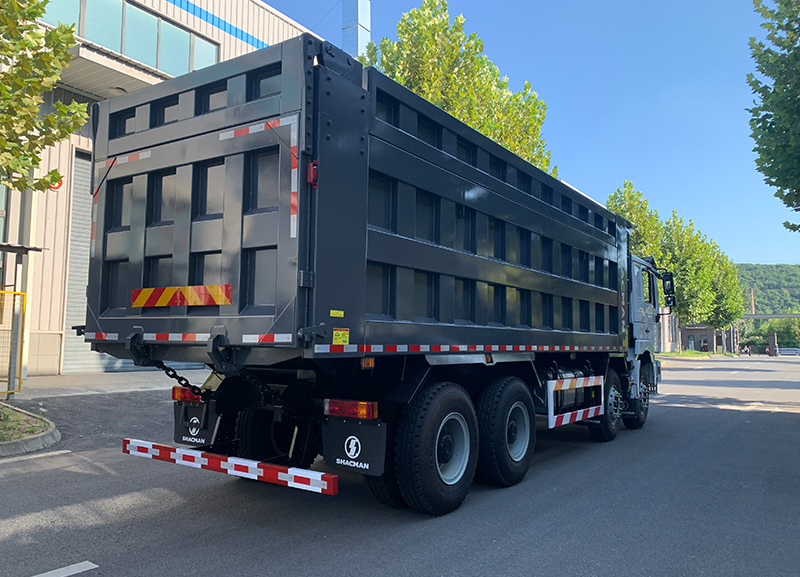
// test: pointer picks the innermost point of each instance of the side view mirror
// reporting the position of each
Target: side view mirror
(669, 300)
(669, 286)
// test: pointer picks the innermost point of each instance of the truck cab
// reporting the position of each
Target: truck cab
(645, 334)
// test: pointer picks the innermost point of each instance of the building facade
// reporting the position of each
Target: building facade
(706, 339)
(122, 46)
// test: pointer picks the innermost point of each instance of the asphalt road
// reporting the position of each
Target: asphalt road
(708, 487)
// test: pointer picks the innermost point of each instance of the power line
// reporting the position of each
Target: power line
(326, 14)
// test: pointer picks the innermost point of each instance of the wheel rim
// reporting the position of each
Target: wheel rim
(614, 405)
(518, 431)
(452, 448)
(644, 396)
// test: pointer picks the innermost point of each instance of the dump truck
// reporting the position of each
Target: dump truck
(368, 279)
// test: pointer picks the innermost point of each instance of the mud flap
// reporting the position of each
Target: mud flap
(195, 423)
(354, 445)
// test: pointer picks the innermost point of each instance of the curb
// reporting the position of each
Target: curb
(30, 444)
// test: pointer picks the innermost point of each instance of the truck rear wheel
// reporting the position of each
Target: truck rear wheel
(385, 487)
(437, 449)
(610, 420)
(507, 431)
(639, 407)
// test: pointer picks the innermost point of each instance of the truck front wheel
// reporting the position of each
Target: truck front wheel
(639, 407)
(437, 449)
(610, 420)
(507, 430)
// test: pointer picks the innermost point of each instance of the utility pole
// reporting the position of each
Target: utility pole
(752, 302)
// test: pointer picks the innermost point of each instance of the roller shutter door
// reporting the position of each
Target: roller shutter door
(78, 355)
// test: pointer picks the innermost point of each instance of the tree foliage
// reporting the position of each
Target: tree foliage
(776, 287)
(31, 60)
(775, 118)
(786, 330)
(706, 282)
(439, 61)
(646, 238)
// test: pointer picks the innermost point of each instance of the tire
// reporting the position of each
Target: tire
(610, 420)
(385, 487)
(507, 426)
(641, 406)
(436, 452)
(263, 439)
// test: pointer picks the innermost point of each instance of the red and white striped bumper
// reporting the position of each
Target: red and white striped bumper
(295, 478)
(554, 420)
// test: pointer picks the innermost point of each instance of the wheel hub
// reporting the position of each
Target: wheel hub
(511, 432)
(445, 449)
(452, 448)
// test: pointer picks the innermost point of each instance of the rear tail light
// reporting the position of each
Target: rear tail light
(354, 409)
(185, 394)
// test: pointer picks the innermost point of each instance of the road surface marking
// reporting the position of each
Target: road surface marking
(28, 457)
(71, 570)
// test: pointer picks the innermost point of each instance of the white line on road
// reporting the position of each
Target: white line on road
(71, 570)
(28, 457)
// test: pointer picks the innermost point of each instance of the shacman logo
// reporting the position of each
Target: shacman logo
(194, 426)
(352, 446)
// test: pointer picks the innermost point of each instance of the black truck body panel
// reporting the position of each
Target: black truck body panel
(420, 236)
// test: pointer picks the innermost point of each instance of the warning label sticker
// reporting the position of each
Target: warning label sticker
(341, 336)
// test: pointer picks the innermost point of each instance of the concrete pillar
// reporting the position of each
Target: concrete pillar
(773, 344)
(356, 26)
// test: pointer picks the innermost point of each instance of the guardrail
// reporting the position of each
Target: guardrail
(788, 352)
(12, 329)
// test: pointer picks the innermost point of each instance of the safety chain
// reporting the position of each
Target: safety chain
(182, 381)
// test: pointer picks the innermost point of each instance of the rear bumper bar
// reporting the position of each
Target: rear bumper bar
(304, 479)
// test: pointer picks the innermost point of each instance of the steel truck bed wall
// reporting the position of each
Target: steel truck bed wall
(410, 233)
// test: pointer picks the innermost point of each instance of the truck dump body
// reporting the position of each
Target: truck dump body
(370, 279)
(288, 205)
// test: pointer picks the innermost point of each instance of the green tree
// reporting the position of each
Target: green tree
(706, 281)
(439, 61)
(647, 237)
(727, 305)
(787, 331)
(31, 60)
(775, 118)
(689, 255)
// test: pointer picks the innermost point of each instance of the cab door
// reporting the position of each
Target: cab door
(645, 315)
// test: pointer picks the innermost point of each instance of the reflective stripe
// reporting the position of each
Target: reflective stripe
(307, 480)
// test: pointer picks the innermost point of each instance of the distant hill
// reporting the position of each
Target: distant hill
(777, 287)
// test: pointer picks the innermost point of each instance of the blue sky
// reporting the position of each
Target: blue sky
(654, 93)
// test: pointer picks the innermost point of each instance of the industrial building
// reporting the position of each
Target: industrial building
(122, 46)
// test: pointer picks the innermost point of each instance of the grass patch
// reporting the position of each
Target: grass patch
(686, 354)
(15, 425)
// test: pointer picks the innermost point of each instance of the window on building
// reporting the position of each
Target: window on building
(141, 36)
(173, 50)
(205, 53)
(104, 23)
(65, 11)
(145, 36)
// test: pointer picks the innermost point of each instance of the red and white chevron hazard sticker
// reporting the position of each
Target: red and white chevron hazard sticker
(303, 479)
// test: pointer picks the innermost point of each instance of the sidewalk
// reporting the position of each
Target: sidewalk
(101, 383)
